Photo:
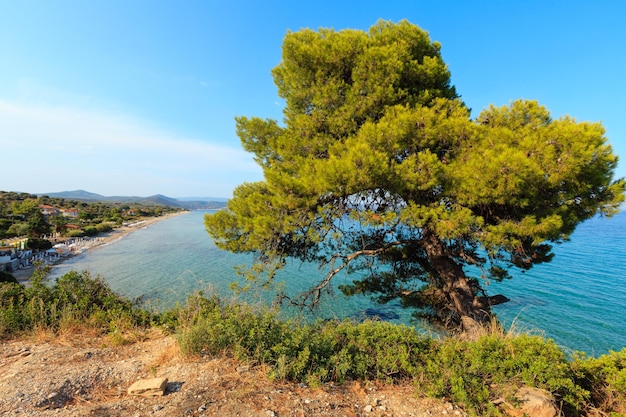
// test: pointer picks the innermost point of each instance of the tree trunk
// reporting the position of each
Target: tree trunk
(469, 311)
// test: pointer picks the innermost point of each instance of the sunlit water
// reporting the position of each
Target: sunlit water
(579, 299)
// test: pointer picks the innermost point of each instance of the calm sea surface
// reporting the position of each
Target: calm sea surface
(579, 299)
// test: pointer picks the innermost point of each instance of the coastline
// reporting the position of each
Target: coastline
(23, 275)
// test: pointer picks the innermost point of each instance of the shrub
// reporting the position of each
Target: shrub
(104, 227)
(323, 351)
(12, 309)
(90, 231)
(75, 233)
(85, 298)
(213, 327)
(369, 350)
(75, 298)
(473, 374)
(605, 378)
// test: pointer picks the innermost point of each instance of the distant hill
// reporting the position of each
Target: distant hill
(158, 200)
(202, 199)
(77, 195)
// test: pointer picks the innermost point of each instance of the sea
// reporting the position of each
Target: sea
(578, 300)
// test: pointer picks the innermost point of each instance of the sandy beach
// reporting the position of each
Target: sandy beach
(24, 275)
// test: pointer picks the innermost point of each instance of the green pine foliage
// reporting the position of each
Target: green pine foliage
(378, 167)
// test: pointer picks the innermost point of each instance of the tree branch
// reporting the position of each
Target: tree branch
(314, 294)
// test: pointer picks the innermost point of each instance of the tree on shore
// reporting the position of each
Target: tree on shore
(38, 225)
(378, 168)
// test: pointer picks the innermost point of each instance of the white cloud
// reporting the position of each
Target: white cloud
(54, 148)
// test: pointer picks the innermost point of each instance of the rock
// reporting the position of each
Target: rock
(148, 387)
(368, 409)
(471, 328)
(494, 300)
(56, 399)
(535, 402)
(20, 352)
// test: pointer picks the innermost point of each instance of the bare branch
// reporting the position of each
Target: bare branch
(314, 294)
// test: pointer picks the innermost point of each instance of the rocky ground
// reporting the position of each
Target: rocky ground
(71, 375)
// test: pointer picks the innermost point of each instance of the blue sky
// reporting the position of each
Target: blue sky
(138, 97)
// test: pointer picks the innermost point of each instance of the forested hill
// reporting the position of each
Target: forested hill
(200, 203)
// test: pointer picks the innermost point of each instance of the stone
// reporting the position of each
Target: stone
(536, 402)
(148, 387)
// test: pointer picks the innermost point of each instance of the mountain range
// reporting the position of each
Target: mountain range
(189, 203)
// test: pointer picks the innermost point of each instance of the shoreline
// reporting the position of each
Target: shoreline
(23, 276)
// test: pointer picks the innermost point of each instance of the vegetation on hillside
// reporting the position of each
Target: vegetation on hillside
(32, 216)
(472, 374)
(74, 300)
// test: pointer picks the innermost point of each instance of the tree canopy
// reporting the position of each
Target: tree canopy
(378, 167)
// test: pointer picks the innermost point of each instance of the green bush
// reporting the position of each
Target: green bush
(75, 233)
(320, 352)
(90, 231)
(213, 327)
(473, 374)
(605, 378)
(87, 298)
(13, 319)
(369, 350)
(104, 227)
(75, 298)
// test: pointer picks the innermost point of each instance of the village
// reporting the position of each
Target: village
(44, 231)
(18, 257)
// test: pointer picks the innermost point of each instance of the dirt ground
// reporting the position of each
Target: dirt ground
(71, 375)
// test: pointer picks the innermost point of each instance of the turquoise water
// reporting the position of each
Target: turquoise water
(579, 299)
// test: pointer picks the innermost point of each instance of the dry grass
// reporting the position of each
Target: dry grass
(72, 335)
(169, 354)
